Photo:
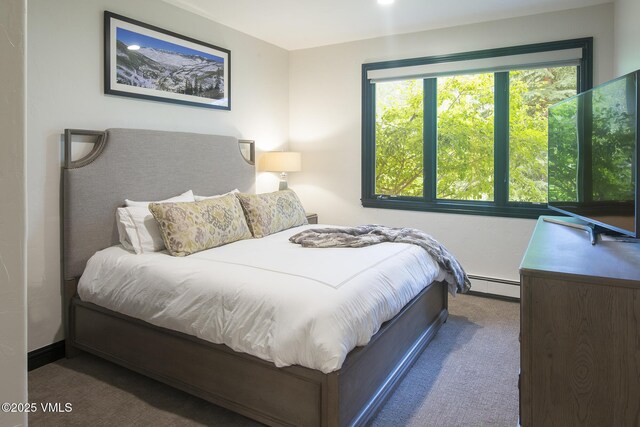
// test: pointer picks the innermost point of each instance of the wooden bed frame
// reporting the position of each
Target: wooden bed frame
(240, 382)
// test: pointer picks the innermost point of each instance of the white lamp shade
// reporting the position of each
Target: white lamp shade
(282, 161)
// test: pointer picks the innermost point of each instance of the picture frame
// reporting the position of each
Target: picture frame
(147, 62)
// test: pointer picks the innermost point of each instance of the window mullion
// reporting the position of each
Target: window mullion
(368, 184)
(430, 138)
(501, 139)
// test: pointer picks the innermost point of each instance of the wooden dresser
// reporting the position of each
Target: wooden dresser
(579, 330)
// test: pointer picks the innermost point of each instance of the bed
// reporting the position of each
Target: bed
(143, 165)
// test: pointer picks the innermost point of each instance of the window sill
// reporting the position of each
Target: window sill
(458, 207)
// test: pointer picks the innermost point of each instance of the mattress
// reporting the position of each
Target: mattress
(266, 297)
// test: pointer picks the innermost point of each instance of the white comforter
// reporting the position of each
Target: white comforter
(266, 297)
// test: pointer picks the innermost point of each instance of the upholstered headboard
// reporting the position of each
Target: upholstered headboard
(139, 165)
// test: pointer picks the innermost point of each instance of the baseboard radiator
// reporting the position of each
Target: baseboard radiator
(491, 286)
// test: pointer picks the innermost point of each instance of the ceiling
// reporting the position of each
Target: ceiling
(300, 24)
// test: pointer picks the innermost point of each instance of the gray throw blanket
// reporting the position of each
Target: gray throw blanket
(365, 235)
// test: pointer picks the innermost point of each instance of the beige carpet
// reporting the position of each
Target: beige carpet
(466, 377)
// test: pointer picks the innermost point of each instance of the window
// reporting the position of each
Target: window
(399, 138)
(464, 146)
(466, 133)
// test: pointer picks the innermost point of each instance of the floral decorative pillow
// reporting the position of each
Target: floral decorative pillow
(187, 228)
(269, 213)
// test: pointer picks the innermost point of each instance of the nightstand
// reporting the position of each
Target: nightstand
(312, 218)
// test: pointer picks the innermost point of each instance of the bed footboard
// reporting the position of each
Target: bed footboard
(256, 388)
(371, 373)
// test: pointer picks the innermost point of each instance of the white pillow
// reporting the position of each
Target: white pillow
(137, 228)
(187, 196)
(201, 198)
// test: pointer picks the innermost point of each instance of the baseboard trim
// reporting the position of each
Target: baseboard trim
(45, 355)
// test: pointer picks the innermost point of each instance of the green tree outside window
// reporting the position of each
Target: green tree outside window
(465, 134)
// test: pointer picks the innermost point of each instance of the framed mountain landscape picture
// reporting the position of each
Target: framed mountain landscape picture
(143, 61)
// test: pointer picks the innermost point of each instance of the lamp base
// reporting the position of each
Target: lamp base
(283, 182)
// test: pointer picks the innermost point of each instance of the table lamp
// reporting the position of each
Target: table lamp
(283, 162)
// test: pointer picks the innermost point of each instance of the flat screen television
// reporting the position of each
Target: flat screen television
(593, 156)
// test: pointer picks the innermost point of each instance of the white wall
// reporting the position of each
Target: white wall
(65, 91)
(325, 123)
(13, 331)
(627, 36)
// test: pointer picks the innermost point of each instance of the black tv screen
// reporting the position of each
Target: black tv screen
(593, 155)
